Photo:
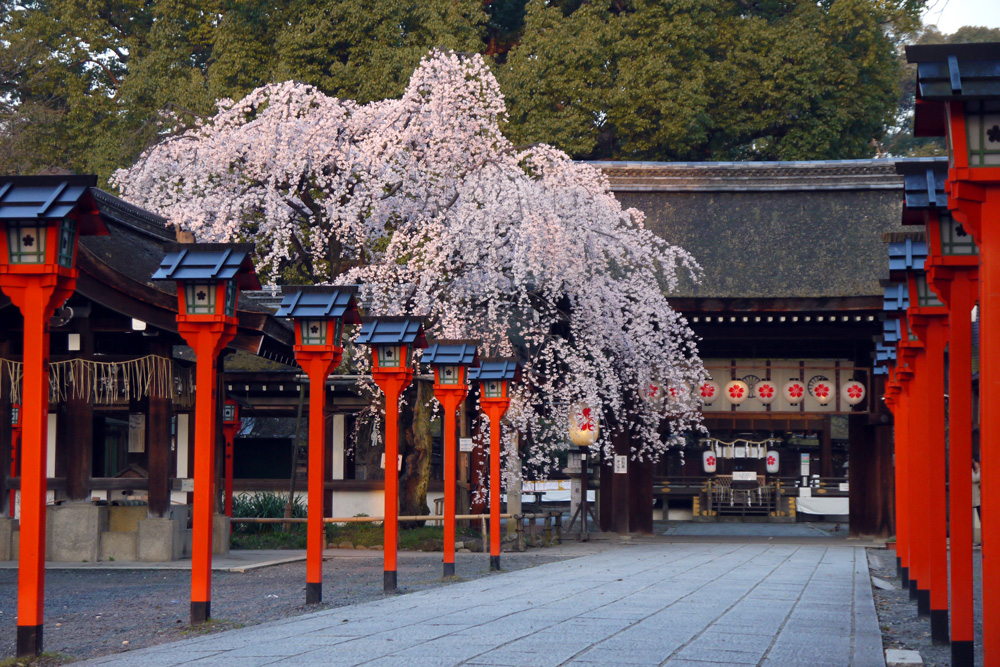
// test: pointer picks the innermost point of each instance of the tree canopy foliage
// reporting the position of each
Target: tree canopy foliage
(82, 81)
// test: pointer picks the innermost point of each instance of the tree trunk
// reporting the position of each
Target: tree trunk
(419, 445)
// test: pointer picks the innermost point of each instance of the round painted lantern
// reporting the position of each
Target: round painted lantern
(653, 392)
(772, 461)
(795, 391)
(822, 390)
(737, 391)
(583, 426)
(852, 392)
(709, 391)
(708, 460)
(766, 391)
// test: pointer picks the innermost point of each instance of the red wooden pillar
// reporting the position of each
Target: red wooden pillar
(495, 408)
(896, 400)
(958, 287)
(392, 384)
(933, 330)
(451, 398)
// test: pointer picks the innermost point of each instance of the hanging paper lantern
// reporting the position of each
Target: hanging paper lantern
(772, 461)
(737, 391)
(853, 392)
(583, 426)
(795, 391)
(708, 460)
(821, 390)
(766, 391)
(709, 391)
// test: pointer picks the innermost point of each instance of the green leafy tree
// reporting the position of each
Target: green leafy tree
(707, 79)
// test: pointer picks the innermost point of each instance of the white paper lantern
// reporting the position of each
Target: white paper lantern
(795, 391)
(708, 460)
(822, 391)
(653, 392)
(772, 461)
(737, 391)
(709, 391)
(852, 392)
(583, 426)
(766, 391)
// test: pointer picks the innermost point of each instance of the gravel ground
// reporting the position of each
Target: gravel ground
(90, 613)
(897, 614)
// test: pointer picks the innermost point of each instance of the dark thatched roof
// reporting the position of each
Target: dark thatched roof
(778, 230)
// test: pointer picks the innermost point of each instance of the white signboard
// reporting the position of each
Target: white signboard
(187, 485)
(399, 462)
(465, 444)
(744, 476)
(805, 492)
(621, 464)
(845, 486)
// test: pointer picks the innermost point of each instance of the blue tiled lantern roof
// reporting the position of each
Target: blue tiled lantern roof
(907, 255)
(897, 298)
(890, 331)
(51, 198)
(923, 184)
(496, 369)
(392, 331)
(451, 353)
(880, 370)
(956, 71)
(320, 301)
(885, 353)
(209, 261)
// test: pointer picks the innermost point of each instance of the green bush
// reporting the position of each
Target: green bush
(265, 505)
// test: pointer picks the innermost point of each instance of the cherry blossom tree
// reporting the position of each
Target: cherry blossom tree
(425, 203)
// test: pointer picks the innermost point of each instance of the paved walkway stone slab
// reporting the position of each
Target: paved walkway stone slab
(652, 604)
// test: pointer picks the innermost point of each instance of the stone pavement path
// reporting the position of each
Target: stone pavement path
(683, 605)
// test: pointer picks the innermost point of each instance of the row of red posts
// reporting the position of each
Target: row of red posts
(41, 221)
(955, 201)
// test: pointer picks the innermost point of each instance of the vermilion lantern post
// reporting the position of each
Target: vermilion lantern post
(41, 221)
(15, 441)
(451, 360)
(230, 428)
(392, 340)
(320, 314)
(209, 277)
(958, 96)
(495, 377)
(953, 273)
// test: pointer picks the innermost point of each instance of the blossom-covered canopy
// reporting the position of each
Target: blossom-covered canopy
(424, 202)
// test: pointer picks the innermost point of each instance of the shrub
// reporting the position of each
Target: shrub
(265, 505)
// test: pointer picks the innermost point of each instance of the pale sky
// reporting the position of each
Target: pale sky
(950, 15)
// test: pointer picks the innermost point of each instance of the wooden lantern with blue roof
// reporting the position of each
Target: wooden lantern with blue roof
(495, 378)
(392, 340)
(319, 313)
(209, 277)
(451, 360)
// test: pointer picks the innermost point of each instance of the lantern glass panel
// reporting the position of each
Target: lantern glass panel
(228, 412)
(493, 389)
(450, 375)
(982, 125)
(313, 332)
(200, 298)
(926, 298)
(26, 242)
(954, 239)
(231, 294)
(67, 242)
(390, 356)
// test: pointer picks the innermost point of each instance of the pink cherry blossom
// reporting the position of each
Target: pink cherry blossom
(424, 202)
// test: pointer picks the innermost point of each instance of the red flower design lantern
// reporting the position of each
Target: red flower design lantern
(708, 460)
(737, 391)
(766, 391)
(795, 391)
(822, 391)
(709, 391)
(852, 392)
(772, 462)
